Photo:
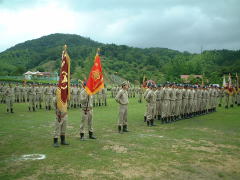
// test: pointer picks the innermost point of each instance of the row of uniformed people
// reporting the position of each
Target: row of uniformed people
(38, 95)
(172, 102)
(132, 91)
(228, 97)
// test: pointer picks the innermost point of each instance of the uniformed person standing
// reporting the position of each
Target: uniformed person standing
(48, 97)
(87, 114)
(144, 96)
(220, 96)
(1, 92)
(39, 92)
(226, 98)
(178, 102)
(140, 94)
(238, 96)
(104, 96)
(158, 93)
(74, 96)
(32, 98)
(122, 100)
(9, 95)
(60, 125)
(17, 91)
(151, 105)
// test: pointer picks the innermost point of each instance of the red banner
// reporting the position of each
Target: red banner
(95, 80)
(63, 90)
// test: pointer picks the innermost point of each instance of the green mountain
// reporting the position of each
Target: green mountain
(159, 64)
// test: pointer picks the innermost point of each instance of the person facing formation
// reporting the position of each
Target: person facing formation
(122, 99)
(87, 114)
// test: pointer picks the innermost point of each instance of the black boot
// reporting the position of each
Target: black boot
(33, 108)
(55, 142)
(11, 110)
(7, 110)
(46, 107)
(148, 123)
(82, 136)
(49, 108)
(125, 128)
(29, 109)
(120, 129)
(145, 118)
(40, 106)
(63, 142)
(75, 106)
(91, 135)
(159, 117)
(152, 122)
(163, 119)
(166, 120)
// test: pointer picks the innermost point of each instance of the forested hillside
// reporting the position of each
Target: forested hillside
(159, 64)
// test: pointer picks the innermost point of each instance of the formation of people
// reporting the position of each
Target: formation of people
(171, 102)
(41, 96)
(167, 102)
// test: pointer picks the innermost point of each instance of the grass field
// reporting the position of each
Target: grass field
(205, 147)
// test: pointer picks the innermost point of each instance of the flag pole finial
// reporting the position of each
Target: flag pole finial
(65, 47)
(98, 51)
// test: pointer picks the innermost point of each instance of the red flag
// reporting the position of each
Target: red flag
(95, 80)
(63, 90)
(230, 87)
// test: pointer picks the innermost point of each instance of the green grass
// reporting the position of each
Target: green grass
(205, 147)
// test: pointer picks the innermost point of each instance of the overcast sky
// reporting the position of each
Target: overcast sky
(183, 25)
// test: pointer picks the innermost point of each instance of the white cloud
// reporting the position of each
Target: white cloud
(176, 24)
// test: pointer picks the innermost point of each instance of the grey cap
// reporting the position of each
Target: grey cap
(124, 83)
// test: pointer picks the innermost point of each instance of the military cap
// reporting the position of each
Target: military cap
(153, 86)
(149, 84)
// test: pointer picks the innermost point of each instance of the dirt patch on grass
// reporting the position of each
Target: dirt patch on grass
(115, 148)
(208, 130)
(87, 172)
(203, 148)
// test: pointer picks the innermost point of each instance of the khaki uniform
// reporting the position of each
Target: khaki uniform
(9, 95)
(1, 93)
(166, 103)
(220, 97)
(151, 105)
(173, 102)
(60, 122)
(48, 97)
(17, 92)
(140, 95)
(159, 94)
(104, 96)
(39, 96)
(238, 97)
(195, 100)
(87, 111)
(144, 96)
(178, 102)
(122, 100)
(185, 93)
(74, 96)
(32, 98)
(226, 98)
